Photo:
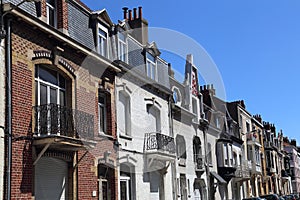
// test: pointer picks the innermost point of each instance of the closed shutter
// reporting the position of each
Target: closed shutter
(51, 177)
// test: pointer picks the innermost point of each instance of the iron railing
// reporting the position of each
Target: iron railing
(53, 119)
(242, 171)
(158, 141)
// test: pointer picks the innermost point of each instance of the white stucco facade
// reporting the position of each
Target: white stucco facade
(150, 174)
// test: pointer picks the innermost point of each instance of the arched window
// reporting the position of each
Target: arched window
(181, 147)
(50, 86)
(153, 119)
(124, 114)
(176, 96)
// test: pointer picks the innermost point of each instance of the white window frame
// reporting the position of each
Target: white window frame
(48, 86)
(150, 66)
(127, 110)
(54, 8)
(101, 39)
(127, 180)
(122, 48)
(102, 105)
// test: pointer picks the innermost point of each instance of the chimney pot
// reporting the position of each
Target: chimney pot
(204, 87)
(134, 13)
(125, 9)
(140, 12)
(130, 15)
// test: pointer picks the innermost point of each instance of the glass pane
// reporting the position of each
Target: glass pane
(62, 100)
(53, 95)
(153, 71)
(102, 33)
(62, 82)
(150, 57)
(51, 2)
(36, 93)
(148, 69)
(101, 99)
(43, 94)
(48, 75)
(51, 16)
(123, 190)
(101, 118)
(122, 37)
(104, 190)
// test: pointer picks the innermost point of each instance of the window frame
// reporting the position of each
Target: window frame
(54, 9)
(150, 65)
(102, 50)
(102, 105)
(123, 56)
(127, 110)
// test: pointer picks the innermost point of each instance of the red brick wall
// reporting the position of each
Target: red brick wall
(24, 40)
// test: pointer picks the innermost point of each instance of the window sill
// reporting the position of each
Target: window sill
(102, 134)
(127, 137)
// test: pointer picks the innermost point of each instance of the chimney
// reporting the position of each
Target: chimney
(134, 13)
(293, 142)
(140, 12)
(139, 26)
(125, 9)
(130, 15)
(171, 72)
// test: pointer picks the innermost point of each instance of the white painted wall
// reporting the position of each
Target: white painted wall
(146, 180)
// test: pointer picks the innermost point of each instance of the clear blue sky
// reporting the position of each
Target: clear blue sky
(255, 44)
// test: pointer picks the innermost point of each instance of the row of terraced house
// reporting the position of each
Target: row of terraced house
(89, 109)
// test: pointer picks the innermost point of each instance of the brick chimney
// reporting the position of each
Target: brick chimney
(138, 24)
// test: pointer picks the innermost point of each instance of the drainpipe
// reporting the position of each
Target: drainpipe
(9, 109)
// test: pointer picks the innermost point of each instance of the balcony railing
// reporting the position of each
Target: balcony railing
(159, 142)
(53, 119)
(242, 171)
(199, 162)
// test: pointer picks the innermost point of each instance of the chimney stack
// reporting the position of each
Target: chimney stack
(140, 12)
(130, 15)
(134, 13)
(125, 9)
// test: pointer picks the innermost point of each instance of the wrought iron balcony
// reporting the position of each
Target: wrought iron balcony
(199, 162)
(53, 119)
(159, 143)
(242, 172)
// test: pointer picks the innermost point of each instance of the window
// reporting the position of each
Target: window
(176, 96)
(102, 40)
(124, 117)
(50, 89)
(225, 153)
(51, 12)
(194, 106)
(50, 86)
(151, 66)
(209, 156)
(153, 119)
(257, 155)
(127, 181)
(122, 47)
(181, 147)
(248, 127)
(102, 113)
(241, 122)
(218, 122)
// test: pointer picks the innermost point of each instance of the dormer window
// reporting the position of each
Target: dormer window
(151, 66)
(122, 47)
(51, 12)
(102, 40)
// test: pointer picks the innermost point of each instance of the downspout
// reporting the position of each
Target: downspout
(9, 108)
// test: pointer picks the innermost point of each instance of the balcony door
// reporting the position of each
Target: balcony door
(50, 99)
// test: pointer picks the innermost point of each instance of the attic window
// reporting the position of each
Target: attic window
(102, 34)
(122, 47)
(51, 12)
(151, 66)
